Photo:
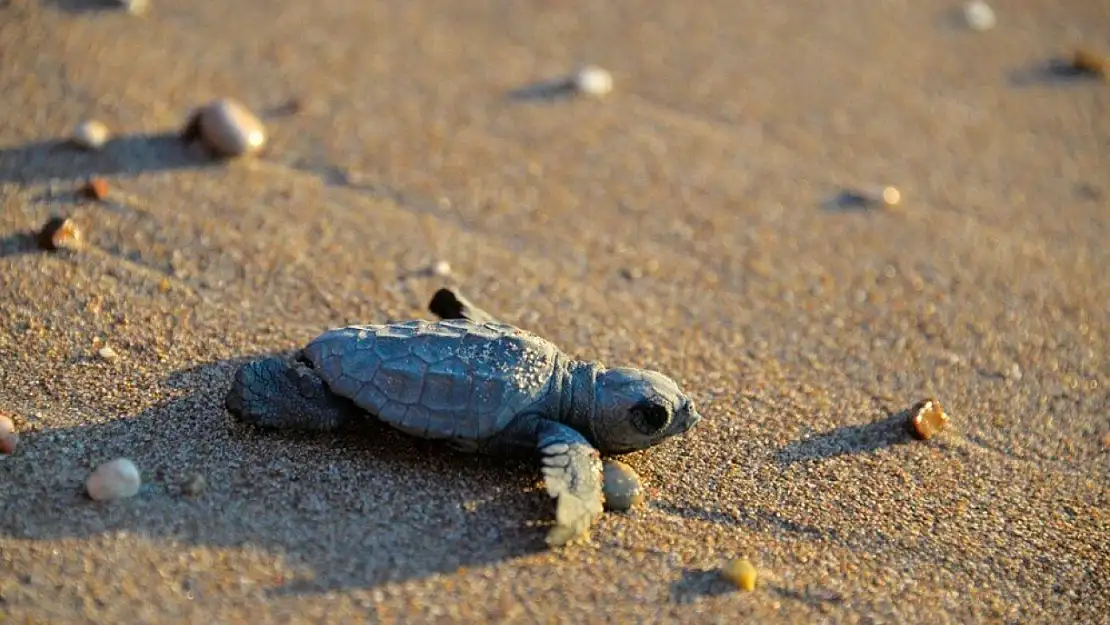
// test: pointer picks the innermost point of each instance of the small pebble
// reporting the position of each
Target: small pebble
(116, 479)
(94, 189)
(632, 273)
(108, 354)
(227, 127)
(58, 233)
(91, 135)
(621, 486)
(887, 195)
(927, 418)
(441, 268)
(135, 7)
(593, 80)
(741, 573)
(8, 436)
(195, 485)
(979, 15)
(1089, 62)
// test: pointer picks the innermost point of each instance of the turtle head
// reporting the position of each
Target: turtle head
(635, 409)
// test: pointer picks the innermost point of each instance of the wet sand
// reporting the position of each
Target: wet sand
(679, 224)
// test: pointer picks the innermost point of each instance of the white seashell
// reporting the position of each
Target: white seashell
(229, 128)
(116, 479)
(91, 135)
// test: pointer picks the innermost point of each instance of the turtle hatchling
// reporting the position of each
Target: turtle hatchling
(481, 386)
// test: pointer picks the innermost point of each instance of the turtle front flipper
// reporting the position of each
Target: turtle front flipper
(572, 473)
(450, 304)
(270, 393)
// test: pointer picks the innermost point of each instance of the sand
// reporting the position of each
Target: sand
(801, 331)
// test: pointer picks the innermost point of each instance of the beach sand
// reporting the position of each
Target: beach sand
(680, 223)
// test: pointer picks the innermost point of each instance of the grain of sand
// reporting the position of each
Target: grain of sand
(800, 331)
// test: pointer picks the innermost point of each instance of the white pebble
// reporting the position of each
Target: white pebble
(91, 135)
(117, 479)
(107, 353)
(442, 268)
(979, 15)
(593, 80)
(229, 128)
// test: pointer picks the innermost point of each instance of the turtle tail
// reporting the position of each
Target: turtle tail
(273, 394)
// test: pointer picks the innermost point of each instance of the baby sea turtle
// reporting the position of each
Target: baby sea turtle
(482, 386)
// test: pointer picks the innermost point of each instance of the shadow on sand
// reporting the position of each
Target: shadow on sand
(1050, 73)
(849, 439)
(23, 243)
(545, 91)
(85, 6)
(696, 583)
(350, 509)
(123, 155)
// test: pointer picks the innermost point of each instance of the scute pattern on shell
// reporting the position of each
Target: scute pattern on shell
(444, 379)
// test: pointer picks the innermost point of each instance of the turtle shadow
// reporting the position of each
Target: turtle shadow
(123, 155)
(849, 440)
(355, 508)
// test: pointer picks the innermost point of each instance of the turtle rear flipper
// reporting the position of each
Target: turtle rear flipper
(270, 393)
(572, 472)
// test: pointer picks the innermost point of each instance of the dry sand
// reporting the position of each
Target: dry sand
(799, 330)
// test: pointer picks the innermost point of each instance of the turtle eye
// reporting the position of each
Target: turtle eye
(649, 416)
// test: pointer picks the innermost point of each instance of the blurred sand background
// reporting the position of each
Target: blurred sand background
(676, 224)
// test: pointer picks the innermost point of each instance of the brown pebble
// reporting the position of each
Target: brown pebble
(741, 573)
(195, 485)
(59, 232)
(1089, 61)
(94, 189)
(8, 436)
(927, 417)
